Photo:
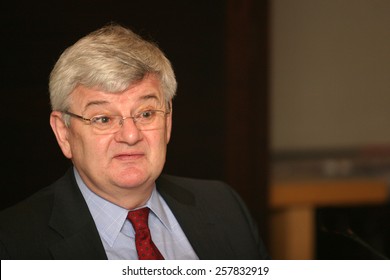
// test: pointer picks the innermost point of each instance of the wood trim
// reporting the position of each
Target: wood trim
(318, 193)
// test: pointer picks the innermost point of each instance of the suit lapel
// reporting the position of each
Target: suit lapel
(73, 221)
(200, 227)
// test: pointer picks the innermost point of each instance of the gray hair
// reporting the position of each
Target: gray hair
(111, 59)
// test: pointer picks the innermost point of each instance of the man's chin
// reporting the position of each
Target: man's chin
(134, 180)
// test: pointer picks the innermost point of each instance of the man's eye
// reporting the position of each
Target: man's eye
(101, 119)
(147, 114)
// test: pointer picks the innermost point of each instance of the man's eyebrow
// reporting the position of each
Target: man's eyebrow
(150, 96)
(95, 102)
(155, 98)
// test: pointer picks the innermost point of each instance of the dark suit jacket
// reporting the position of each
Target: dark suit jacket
(55, 223)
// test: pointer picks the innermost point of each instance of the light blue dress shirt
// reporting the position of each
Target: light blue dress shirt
(117, 233)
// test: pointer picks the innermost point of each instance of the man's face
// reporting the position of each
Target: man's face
(127, 160)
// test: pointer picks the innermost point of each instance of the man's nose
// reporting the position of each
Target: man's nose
(128, 131)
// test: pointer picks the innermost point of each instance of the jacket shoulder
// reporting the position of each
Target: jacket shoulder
(194, 185)
(25, 230)
(218, 204)
(33, 206)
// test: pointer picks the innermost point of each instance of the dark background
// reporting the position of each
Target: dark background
(218, 50)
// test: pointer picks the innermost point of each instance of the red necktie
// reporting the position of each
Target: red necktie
(143, 241)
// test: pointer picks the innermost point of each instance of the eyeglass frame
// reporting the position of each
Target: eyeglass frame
(135, 118)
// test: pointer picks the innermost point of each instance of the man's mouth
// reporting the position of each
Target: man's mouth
(129, 156)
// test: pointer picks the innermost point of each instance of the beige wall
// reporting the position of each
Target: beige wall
(330, 73)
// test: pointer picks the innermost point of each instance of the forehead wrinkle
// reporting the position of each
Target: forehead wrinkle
(143, 98)
(95, 103)
(151, 96)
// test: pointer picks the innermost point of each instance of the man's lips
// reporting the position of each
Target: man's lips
(129, 156)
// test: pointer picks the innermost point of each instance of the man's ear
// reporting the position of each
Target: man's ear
(61, 132)
(169, 122)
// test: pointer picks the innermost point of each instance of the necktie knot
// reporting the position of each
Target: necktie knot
(139, 218)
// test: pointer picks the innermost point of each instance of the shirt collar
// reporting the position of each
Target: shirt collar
(110, 218)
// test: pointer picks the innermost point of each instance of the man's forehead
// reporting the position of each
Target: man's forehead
(147, 90)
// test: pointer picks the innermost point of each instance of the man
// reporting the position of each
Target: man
(111, 95)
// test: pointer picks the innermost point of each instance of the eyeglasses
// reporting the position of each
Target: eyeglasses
(107, 124)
